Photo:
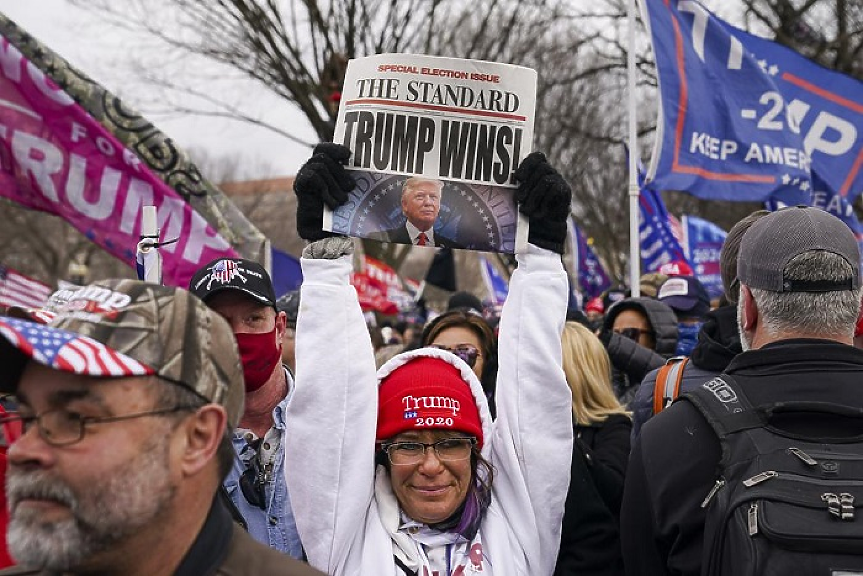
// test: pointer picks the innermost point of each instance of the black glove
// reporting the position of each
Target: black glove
(321, 180)
(545, 198)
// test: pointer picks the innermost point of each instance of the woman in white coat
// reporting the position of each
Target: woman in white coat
(402, 472)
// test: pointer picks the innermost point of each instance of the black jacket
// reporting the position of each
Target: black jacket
(674, 461)
(630, 360)
(590, 538)
(718, 344)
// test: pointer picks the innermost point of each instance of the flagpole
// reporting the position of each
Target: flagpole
(148, 259)
(634, 256)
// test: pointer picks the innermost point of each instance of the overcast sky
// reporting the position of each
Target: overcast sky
(102, 52)
(98, 51)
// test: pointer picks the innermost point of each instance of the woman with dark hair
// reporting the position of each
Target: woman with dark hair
(469, 337)
(401, 472)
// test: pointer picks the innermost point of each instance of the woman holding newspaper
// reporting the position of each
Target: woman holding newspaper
(402, 472)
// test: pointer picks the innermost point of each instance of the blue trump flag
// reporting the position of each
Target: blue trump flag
(592, 278)
(829, 201)
(702, 242)
(658, 244)
(287, 273)
(496, 285)
(744, 118)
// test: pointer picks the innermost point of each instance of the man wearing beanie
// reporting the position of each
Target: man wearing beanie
(127, 399)
(404, 471)
(718, 340)
(799, 297)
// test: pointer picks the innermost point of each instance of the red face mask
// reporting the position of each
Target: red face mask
(259, 354)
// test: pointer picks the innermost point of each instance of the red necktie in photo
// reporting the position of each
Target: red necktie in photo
(422, 239)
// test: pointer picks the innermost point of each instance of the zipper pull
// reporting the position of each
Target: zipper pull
(759, 478)
(806, 458)
(753, 519)
(834, 505)
(846, 501)
(719, 484)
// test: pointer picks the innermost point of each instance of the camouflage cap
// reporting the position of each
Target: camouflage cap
(118, 328)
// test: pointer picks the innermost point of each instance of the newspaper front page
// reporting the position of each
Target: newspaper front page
(435, 144)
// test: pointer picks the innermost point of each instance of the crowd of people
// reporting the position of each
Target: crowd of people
(152, 430)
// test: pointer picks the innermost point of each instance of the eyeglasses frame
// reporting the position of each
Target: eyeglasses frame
(83, 421)
(386, 446)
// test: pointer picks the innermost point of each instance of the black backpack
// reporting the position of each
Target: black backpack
(782, 504)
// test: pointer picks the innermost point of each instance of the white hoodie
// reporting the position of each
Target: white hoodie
(346, 513)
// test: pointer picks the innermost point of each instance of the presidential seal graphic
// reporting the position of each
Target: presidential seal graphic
(393, 208)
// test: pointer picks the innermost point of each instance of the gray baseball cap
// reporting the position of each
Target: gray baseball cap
(775, 239)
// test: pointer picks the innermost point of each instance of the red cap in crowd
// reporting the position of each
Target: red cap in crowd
(676, 268)
(426, 393)
(594, 305)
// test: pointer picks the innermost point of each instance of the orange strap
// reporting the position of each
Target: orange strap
(667, 385)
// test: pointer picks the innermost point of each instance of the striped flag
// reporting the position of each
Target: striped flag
(497, 286)
(17, 289)
(225, 270)
(586, 267)
(68, 351)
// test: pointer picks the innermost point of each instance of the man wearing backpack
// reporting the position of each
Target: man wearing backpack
(790, 495)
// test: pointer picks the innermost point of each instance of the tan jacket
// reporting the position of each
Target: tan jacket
(248, 557)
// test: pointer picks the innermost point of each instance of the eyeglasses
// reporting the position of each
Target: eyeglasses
(447, 450)
(61, 427)
(467, 352)
(633, 333)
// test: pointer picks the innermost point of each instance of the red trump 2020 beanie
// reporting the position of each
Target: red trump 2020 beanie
(426, 393)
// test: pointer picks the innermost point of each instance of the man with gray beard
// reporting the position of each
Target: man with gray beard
(127, 399)
(799, 273)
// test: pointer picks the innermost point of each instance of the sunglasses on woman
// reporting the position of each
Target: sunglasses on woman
(467, 352)
(633, 333)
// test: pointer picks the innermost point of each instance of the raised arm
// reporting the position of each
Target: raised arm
(532, 438)
(331, 417)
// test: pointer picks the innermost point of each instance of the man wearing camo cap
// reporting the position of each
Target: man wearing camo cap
(128, 398)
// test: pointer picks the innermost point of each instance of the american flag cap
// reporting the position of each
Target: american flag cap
(121, 328)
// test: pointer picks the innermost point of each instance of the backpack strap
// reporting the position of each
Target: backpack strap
(724, 405)
(667, 386)
(726, 408)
